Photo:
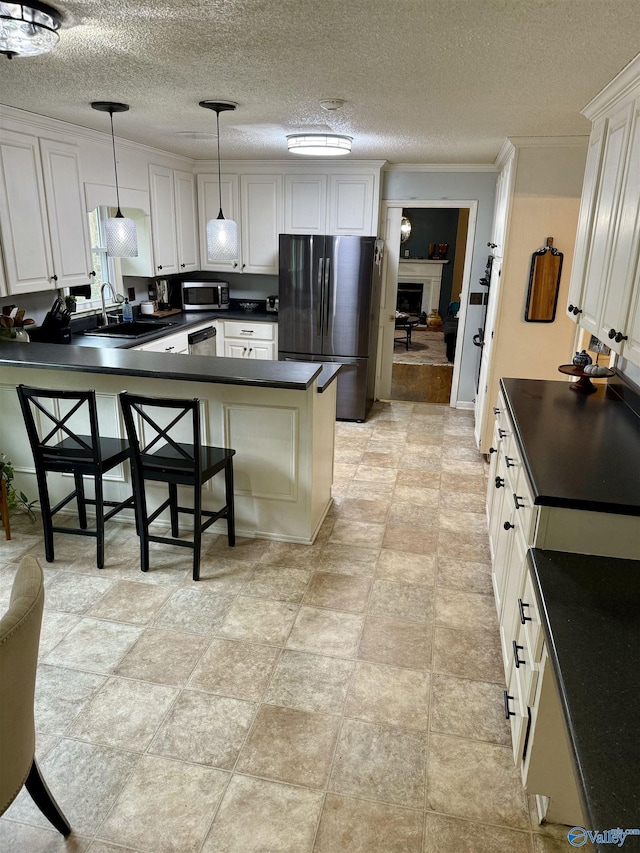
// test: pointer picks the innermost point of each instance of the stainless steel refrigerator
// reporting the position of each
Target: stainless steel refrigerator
(329, 299)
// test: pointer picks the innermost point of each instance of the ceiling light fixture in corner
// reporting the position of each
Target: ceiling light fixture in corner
(28, 29)
(222, 234)
(319, 144)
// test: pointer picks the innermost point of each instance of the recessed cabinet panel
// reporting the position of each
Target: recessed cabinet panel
(68, 224)
(305, 204)
(262, 221)
(163, 229)
(208, 208)
(23, 218)
(351, 205)
(186, 221)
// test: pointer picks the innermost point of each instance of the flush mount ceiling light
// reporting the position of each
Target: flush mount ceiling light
(28, 29)
(319, 144)
(122, 239)
(222, 234)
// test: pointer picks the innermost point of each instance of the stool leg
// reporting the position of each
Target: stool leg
(4, 509)
(41, 796)
(45, 506)
(80, 500)
(173, 509)
(197, 531)
(231, 518)
(99, 522)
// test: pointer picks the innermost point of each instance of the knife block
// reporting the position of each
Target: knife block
(51, 335)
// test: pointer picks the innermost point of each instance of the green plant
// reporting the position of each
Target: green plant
(15, 499)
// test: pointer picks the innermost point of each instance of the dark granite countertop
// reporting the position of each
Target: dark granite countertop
(580, 451)
(293, 375)
(589, 608)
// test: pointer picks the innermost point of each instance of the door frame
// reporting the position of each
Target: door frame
(391, 215)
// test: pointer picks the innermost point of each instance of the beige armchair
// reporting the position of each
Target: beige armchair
(19, 640)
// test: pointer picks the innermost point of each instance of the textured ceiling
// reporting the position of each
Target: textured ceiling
(425, 81)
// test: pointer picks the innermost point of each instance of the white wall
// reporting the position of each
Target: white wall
(480, 186)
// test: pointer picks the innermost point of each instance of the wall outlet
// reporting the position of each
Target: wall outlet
(406, 253)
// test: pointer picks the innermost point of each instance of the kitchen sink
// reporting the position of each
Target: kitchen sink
(134, 329)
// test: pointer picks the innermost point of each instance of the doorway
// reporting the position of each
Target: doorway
(429, 370)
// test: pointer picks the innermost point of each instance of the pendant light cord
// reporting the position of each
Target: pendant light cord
(115, 165)
(220, 216)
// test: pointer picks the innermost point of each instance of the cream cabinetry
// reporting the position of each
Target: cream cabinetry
(44, 227)
(516, 524)
(332, 203)
(248, 340)
(173, 221)
(174, 344)
(255, 203)
(603, 294)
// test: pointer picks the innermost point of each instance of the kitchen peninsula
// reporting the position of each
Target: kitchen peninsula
(278, 416)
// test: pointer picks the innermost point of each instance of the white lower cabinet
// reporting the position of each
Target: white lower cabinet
(176, 344)
(531, 703)
(248, 340)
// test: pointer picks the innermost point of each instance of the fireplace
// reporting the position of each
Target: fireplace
(409, 299)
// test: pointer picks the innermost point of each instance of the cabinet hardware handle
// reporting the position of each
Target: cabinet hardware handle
(235, 264)
(521, 606)
(570, 309)
(159, 266)
(247, 331)
(243, 266)
(168, 349)
(499, 482)
(577, 311)
(620, 337)
(516, 659)
(612, 333)
(508, 526)
(510, 461)
(182, 266)
(93, 272)
(492, 245)
(508, 713)
(518, 501)
(250, 349)
(496, 410)
(54, 277)
(492, 450)
(502, 433)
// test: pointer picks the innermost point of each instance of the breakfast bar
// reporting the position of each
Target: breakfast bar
(278, 416)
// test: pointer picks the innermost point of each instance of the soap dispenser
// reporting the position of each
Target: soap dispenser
(127, 312)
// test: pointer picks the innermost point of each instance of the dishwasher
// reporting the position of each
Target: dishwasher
(203, 342)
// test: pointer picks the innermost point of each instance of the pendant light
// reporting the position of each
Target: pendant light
(122, 239)
(28, 29)
(222, 234)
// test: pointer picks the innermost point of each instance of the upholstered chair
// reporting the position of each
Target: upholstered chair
(19, 640)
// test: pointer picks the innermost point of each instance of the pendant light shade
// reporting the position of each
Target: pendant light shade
(222, 234)
(122, 238)
(28, 29)
(319, 144)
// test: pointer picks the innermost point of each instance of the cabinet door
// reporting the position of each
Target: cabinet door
(68, 222)
(163, 226)
(208, 208)
(501, 208)
(262, 222)
(236, 349)
(23, 217)
(351, 205)
(585, 220)
(625, 252)
(604, 218)
(305, 204)
(186, 221)
(261, 351)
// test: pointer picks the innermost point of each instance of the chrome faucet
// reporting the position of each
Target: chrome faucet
(105, 319)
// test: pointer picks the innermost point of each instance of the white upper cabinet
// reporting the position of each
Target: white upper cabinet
(42, 219)
(603, 296)
(305, 204)
(503, 200)
(261, 207)
(208, 208)
(351, 205)
(173, 221)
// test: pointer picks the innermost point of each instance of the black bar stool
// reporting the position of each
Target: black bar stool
(52, 419)
(166, 447)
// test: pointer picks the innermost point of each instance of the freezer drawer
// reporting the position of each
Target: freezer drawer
(352, 402)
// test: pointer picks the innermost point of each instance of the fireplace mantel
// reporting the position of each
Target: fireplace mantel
(427, 273)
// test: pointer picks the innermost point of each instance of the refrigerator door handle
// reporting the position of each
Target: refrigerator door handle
(321, 289)
(327, 293)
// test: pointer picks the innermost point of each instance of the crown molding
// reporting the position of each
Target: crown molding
(440, 167)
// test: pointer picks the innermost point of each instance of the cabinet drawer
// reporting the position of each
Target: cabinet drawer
(525, 667)
(518, 716)
(525, 512)
(530, 620)
(254, 331)
(178, 343)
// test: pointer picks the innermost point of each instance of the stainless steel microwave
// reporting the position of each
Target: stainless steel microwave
(205, 295)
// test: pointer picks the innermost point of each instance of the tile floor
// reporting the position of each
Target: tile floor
(345, 696)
